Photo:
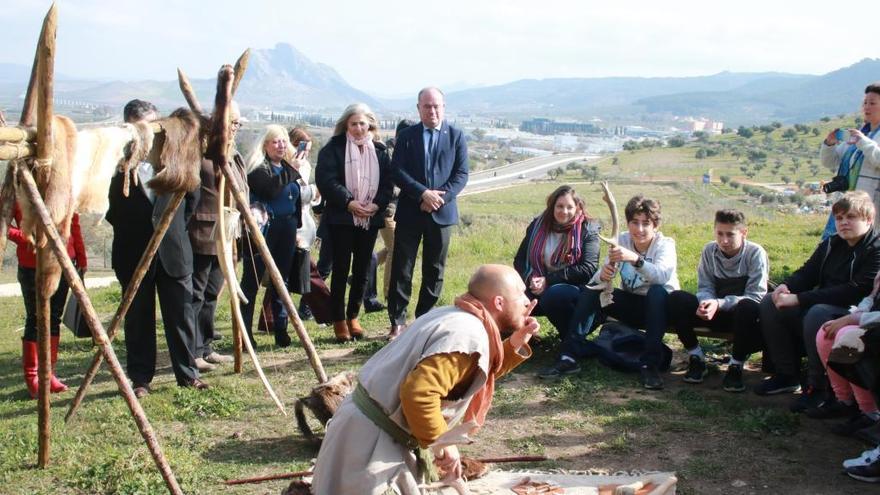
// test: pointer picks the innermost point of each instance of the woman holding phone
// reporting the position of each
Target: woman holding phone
(856, 155)
(354, 177)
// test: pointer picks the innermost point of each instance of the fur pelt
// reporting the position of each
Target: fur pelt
(54, 182)
(177, 153)
(323, 401)
(137, 151)
(98, 153)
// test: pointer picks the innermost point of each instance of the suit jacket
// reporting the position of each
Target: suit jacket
(450, 172)
(330, 178)
(133, 220)
(201, 225)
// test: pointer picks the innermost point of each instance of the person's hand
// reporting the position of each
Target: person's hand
(357, 209)
(831, 327)
(831, 138)
(448, 460)
(608, 272)
(536, 285)
(787, 301)
(706, 309)
(618, 253)
(300, 155)
(432, 199)
(530, 327)
(855, 136)
(780, 290)
(370, 207)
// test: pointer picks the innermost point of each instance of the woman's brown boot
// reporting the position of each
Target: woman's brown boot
(355, 329)
(340, 328)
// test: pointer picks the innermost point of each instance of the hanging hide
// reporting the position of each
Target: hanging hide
(177, 153)
(137, 152)
(99, 152)
(54, 182)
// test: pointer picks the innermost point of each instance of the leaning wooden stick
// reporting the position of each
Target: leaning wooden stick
(272, 269)
(227, 265)
(45, 147)
(188, 94)
(59, 248)
(140, 272)
(607, 288)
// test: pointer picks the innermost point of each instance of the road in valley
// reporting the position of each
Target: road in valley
(519, 172)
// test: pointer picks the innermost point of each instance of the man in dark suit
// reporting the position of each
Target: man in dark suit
(170, 274)
(430, 168)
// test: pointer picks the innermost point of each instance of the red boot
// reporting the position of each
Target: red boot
(29, 365)
(55, 385)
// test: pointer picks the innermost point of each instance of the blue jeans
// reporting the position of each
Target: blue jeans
(281, 241)
(557, 303)
(648, 312)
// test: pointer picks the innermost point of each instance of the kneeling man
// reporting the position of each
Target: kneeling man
(440, 372)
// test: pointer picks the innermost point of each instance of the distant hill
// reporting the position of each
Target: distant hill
(786, 99)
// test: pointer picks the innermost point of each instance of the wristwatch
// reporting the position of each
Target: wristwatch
(639, 262)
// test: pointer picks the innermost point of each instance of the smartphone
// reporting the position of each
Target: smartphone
(303, 144)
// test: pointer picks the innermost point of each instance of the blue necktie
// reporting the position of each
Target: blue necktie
(429, 161)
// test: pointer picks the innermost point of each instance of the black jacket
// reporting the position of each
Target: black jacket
(265, 186)
(836, 273)
(330, 179)
(577, 274)
(133, 219)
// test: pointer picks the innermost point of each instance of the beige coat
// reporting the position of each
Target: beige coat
(356, 457)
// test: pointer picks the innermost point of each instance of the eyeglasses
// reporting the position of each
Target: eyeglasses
(235, 125)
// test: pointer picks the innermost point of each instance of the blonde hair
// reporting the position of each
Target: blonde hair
(857, 201)
(357, 109)
(258, 153)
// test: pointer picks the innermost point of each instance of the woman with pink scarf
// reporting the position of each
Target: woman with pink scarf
(353, 174)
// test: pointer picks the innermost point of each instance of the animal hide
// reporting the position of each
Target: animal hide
(137, 152)
(54, 182)
(323, 401)
(99, 152)
(177, 153)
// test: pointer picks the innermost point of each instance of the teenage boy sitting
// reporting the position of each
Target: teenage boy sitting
(731, 281)
(838, 274)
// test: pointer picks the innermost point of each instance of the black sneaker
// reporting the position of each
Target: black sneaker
(833, 408)
(733, 380)
(373, 306)
(696, 371)
(651, 377)
(562, 367)
(304, 312)
(869, 473)
(849, 427)
(778, 384)
(810, 398)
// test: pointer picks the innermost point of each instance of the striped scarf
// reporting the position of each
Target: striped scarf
(568, 251)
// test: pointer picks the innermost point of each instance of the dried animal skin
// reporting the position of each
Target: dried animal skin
(528, 487)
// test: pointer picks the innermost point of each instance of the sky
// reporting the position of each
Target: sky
(393, 48)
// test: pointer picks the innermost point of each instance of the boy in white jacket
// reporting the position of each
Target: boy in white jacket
(646, 261)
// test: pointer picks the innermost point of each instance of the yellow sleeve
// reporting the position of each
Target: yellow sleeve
(513, 359)
(430, 381)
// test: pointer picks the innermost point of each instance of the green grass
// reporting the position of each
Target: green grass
(598, 418)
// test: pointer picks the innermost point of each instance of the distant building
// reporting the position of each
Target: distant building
(548, 126)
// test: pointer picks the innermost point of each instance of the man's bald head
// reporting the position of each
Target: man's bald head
(493, 280)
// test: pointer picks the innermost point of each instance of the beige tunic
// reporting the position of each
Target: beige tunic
(356, 457)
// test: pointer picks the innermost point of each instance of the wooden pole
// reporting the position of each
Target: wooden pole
(17, 133)
(235, 307)
(188, 93)
(17, 150)
(240, 67)
(45, 147)
(272, 269)
(140, 272)
(29, 107)
(59, 248)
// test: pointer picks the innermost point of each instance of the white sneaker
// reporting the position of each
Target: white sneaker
(203, 365)
(867, 457)
(217, 358)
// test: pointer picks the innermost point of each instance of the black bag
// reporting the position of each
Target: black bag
(73, 318)
(298, 278)
(620, 347)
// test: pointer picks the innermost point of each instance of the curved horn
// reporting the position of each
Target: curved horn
(612, 207)
(224, 256)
